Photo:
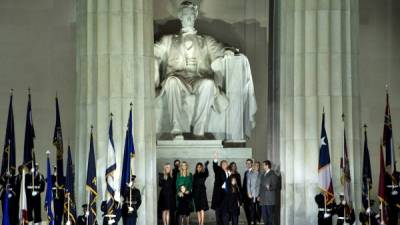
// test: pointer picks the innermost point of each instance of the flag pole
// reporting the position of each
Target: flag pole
(8, 157)
(132, 164)
(68, 210)
(325, 204)
(343, 174)
(382, 219)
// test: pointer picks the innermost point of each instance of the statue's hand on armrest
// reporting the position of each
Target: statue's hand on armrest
(231, 51)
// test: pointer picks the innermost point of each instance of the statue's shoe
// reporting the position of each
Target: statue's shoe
(178, 137)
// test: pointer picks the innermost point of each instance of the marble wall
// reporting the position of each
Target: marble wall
(379, 64)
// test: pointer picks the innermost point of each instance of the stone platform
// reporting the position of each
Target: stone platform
(193, 151)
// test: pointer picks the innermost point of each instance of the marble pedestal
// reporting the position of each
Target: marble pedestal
(193, 151)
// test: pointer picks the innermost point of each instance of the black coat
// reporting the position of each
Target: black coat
(364, 218)
(218, 191)
(232, 201)
(350, 216)
(134, 200)
(200, 191)
(320, 200)
(244, 187)
(184, 203)
(166, 200)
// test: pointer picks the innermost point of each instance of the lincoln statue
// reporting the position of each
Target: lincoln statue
(189, 77)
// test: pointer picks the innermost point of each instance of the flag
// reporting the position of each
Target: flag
(129, 152)
(6, 216)
(366, 175)
(381, 189)
(69, 204)
(29, 136)
(49, 204)
(324, 166)
(345, 167)
(8, 161)
(58, 143)
(23, 205)
(110, 176)
(91, 184)
(388, 139)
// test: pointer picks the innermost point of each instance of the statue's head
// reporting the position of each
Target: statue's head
(187, 14)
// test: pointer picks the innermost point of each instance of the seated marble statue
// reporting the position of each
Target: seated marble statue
(186, 75)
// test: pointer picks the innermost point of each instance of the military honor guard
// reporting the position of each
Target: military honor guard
(131, 203)
(344, 212)
(82, 219)
(325, 210)
(9, 181)
(58, 195)
(392, 192)
(368, 216)
(110, 218)
(35, 183)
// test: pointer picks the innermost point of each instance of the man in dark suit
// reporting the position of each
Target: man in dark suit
(220, 182)
(269, 185)
(174, 214)
(245, 196)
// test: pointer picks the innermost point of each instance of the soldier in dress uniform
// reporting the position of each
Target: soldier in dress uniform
(368, 216)
(58, 196)
(131, 203)
(344, 212)
(392, 192)
(35, 183)
(83, 218)
(10, 181)
(324, 213)
(112, 218)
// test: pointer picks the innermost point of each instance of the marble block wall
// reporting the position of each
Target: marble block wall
(318, 50)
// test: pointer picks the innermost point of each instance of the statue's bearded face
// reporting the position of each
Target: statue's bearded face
(187, 17)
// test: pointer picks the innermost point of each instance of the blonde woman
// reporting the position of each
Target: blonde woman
(166, 201)
(184, 178)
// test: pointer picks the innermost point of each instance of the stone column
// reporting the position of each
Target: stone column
(114, 68)
(318, 69)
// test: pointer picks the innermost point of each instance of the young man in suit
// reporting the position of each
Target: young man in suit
(246, 199)
(269, 185)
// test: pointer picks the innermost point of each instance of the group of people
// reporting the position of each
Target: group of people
(385, 213)
(182, 192)
(35, 186)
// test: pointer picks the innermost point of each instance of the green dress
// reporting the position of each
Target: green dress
(187, 182)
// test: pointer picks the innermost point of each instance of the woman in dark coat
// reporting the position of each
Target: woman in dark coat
(166, 201)
(199, 191)
(234, 173)
(231, 203)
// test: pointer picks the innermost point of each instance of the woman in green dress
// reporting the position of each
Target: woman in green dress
(184, 178)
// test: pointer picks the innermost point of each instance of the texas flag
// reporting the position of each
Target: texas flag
(324, 166)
